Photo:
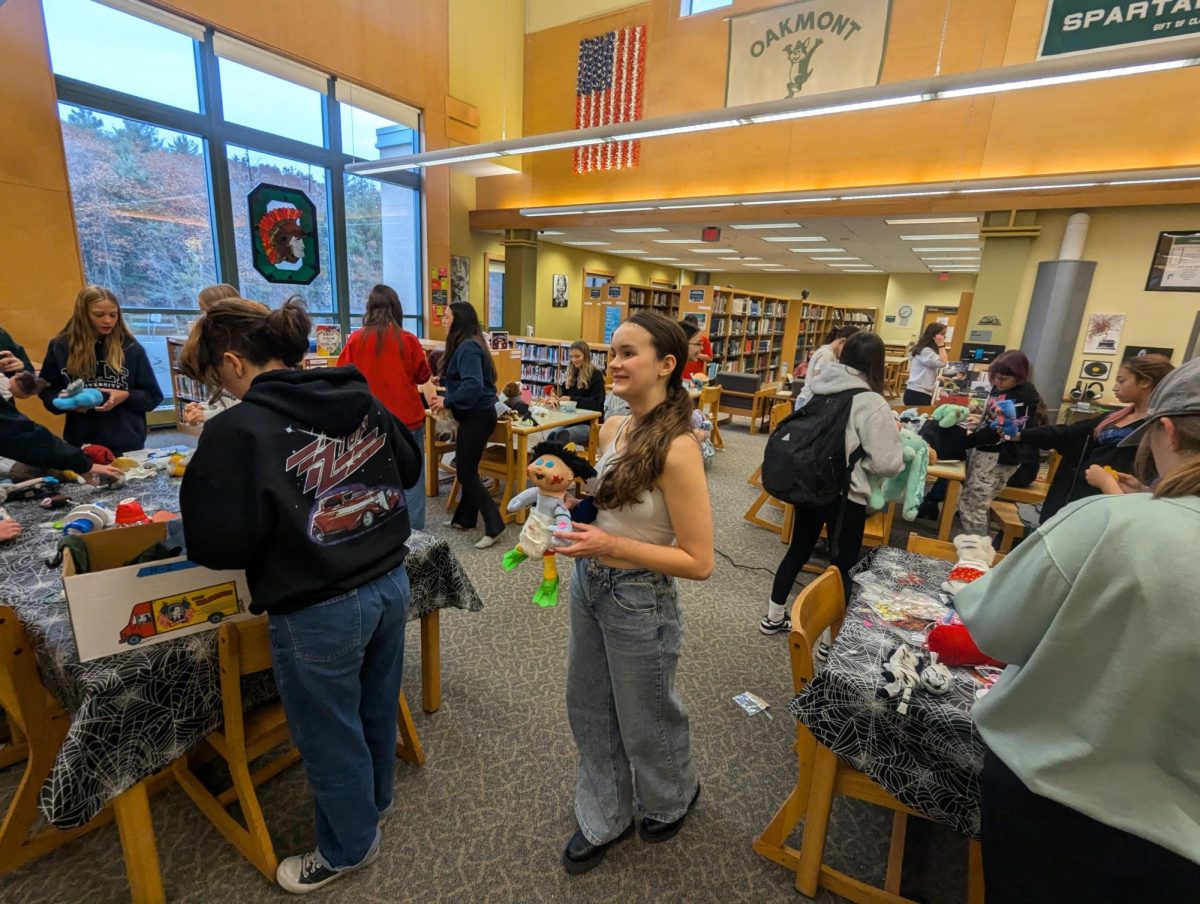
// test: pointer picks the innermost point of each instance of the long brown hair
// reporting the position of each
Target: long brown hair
(1184, 480)
(640, 464)
(1145, 369)
(82, 339)
(927, 338)
(248, 329)
(384, 315)
(865, 353)
(580, 377)
(465, 328)
(209, 295)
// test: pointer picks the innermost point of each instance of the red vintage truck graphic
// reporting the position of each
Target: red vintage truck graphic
(181, 610)
(352, 510)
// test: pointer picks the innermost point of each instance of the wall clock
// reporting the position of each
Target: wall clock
(905, 310)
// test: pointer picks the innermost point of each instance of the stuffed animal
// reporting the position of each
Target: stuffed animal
(975, 557)
(950, 415)
(77, 396)
(907, 487)
(100, 455)
(553, 470)
(1004, 418)
(954, 645)
(906, 669)
(28, 382)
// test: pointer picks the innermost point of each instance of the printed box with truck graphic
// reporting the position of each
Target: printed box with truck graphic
(115, 607)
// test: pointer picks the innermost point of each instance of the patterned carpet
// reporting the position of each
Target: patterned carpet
(487, 817)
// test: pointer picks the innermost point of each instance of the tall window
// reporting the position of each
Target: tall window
(695, 7)
(160, 168)
(495, 293)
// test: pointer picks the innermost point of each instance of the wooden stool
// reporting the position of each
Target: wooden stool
(1010, 521)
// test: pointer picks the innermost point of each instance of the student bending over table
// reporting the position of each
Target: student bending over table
(323, 549)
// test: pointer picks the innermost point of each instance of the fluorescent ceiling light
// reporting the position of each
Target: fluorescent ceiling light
(549, 232)
(925, 248)
(767, 226)
(627, 209)
(1064, 79)
(704, 268)
(852, 266)
(786, 270)
(855, 272)
(741, 258)
(935, 237)
(762, 265)
(843, 108)
(921, 221)
(662, 258)
(837, 258)
(633, 229)
(712, 250)
(627, 251)
(817, 250)
(949, 257)
(555, 146)
(584, 244)
(681, 130)
(693, 206)
(794, 238)
(785, 201)
(676, 241)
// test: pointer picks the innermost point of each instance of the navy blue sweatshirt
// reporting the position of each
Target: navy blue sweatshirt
(123, 429)
(30, 443)
(469, 379)
(302, 486)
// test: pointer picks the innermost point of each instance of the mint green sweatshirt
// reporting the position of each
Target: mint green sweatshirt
(1098, 616)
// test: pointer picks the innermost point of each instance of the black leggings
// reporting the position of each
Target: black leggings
(1038, 851)
(916, 397)
(474, 428)
(806, 530)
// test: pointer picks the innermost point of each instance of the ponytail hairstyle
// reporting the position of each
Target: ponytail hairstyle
(212, 294)
(1145, 369)
(640, 464)
(465, 328)
(384, 315)
(1184, 480)
(248, 329)
(927, 339)
(864, 352)
(82, 339)
(839, 332)
(580, 377)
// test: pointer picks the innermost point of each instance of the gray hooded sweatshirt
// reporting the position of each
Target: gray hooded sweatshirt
(872, 425)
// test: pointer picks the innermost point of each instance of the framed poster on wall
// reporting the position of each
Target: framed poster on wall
(1176, 263)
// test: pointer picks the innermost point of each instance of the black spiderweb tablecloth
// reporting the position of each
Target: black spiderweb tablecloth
(134, 713)
(930, 758)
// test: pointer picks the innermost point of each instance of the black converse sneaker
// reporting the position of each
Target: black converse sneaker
(766, 626)
(308, 872)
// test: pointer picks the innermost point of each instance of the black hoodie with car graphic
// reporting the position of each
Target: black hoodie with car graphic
(302, 486)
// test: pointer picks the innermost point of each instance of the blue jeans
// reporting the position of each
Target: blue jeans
(414, 498)
(338, 666)
(630, 726)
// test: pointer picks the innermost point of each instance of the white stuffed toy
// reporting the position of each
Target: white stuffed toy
(975, 558)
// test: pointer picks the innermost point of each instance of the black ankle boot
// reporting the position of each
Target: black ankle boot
(580, 855)
(653, 831)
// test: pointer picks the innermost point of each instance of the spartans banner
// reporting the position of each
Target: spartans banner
(283, 234)
(1077, 26)
(805, 48)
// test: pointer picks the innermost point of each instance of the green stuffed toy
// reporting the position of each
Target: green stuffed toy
(907, 487)
(950, 415)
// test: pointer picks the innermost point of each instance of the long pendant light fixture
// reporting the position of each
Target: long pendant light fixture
(1178, 53)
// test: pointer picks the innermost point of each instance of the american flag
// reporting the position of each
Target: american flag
(612, 71)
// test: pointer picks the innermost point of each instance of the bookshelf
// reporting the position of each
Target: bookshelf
(606, 306)
(544, 362)
(747, 329)
(813, 321)
(184, 389)
(505, 360)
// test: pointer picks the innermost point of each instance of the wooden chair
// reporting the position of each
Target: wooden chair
(738, 394)
(780, 411)
(1011, 525)
(936, 549)
(15, 749)
(710, 401)
(499, 461)
(243, 649)
(1035, 493)
(820, 606)
(876, 532)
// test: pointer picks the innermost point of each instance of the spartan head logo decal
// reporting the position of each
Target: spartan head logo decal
(800, 55)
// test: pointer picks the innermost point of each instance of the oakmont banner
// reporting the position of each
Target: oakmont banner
(1075, 26)
(805, 48)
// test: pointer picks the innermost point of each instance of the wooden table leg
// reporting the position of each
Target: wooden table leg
(521, 462)
(431, 459)
(431, 661)
(139, 846)
(949, 507)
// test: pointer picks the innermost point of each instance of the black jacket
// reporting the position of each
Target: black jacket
(470, 379)
(123, 429)
(1080, 450)
(302, 486)
(988, 436)
(30, 443)
(592, 397)
(9, 344)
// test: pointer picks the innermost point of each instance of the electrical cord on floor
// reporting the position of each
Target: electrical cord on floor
(735, 564)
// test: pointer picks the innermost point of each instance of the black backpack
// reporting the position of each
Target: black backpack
(805, 461)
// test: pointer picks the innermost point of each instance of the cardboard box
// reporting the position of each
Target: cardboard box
(115, 608)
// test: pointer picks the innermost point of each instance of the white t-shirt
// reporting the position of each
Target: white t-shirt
(923, 371)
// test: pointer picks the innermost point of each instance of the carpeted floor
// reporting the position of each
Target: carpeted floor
(487, 817)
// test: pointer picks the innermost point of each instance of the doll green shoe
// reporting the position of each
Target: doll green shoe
(513, 558)
(547, 594)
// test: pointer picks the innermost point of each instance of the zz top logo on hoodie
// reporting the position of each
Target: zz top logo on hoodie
(325, 462)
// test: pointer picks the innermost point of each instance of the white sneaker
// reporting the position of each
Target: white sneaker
(452, 524)
(484, 542)
(308, 872)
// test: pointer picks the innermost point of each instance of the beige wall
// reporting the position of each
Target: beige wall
(919, 291)
(487, 63)
(465, 243)
(542, 14)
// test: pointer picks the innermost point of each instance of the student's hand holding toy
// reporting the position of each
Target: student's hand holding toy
(193, 414)
(1111, 482)
(115, 398)
(10, 363)
(99, 474)
(587, 541)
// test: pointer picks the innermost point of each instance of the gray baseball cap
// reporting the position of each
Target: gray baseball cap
(1177, 394)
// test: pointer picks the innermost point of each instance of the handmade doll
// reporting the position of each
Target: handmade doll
(552, 471)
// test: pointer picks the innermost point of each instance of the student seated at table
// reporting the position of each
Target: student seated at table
(1091, 790)
(584, 385)
(261, 494)
(872, 428)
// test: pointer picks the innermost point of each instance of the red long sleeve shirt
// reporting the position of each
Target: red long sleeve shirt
(393, 372)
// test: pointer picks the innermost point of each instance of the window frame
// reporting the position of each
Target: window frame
(685, 8)
(217, 134)
(488, 260)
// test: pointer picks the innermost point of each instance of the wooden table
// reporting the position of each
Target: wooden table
(955, 474)
(521, 431)
(760, 404)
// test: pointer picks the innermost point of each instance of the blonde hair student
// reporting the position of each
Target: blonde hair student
(97, 349)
